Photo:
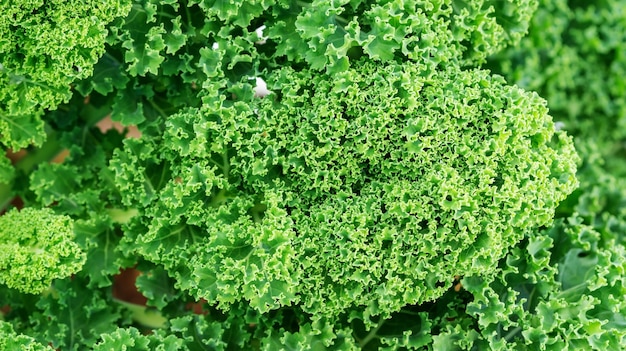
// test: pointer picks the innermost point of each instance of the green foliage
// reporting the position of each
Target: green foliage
(571, 275)
(166, 50)
(36, 246)
(10, 340)
(429, 32)
(73, 315)
(561, 288)
(574, 57)
(386, 192)
(45, 47)
(325, 198)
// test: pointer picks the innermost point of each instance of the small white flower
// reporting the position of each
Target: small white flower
(259, 33)
(559, 125)
(260, 90)
(216, 46)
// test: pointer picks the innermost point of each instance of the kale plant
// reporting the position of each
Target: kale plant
(304, 175)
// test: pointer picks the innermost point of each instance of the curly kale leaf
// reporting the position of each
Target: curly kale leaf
(427, 32)
(45, 47)
(561, 288)
(574, 57)
(397, 183)
(10, 340)
(36, 247)
(74, 316)
(164, 52)
(369, 190)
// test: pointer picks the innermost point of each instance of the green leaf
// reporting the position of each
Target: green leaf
(144, 53)
(175, 38)
(21, 130)
(76, 316)
(156, 286)
(124, 339)
(99, 239)
(108, 75)
(7, 172)
(37, 247)
(10, 340)
(128, 106)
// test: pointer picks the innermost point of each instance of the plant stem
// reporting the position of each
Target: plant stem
(371, 335)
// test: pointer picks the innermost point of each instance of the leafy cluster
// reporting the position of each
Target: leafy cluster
(312, 194)
(574, 57)
(315, 175)
(563, 287)
(167, 50)
(45, 47)
(37, 246)
(10, 340)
